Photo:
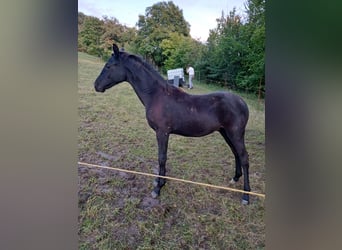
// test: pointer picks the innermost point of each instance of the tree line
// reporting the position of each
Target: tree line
(233, 55)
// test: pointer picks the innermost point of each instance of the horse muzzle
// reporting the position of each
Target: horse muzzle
(98, 89)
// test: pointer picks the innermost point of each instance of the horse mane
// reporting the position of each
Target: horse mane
(141, 63)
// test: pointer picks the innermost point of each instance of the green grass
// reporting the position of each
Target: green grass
(115, 212)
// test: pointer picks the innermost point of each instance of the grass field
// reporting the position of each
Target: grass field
(116, 210)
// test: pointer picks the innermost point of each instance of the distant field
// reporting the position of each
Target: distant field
(116, 210)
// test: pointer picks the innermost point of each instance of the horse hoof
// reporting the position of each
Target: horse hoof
(232, 181)
(244, 202)
(155, 183)
(154, 194)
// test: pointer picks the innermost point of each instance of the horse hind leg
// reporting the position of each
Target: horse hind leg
(238, 148)
(238, 170)
(245, 166)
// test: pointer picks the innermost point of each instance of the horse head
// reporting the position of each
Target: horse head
(112, 73)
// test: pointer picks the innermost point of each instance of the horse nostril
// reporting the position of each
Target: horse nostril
(99, 89)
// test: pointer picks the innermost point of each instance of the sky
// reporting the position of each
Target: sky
(200, 14)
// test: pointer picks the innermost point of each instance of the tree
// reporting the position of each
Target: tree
(252, 77)
(114, 32)
(160, 21)
(81, 18)
(90, 35)
(97, 36)
(225, 49)
(179, 51)
(236, 50)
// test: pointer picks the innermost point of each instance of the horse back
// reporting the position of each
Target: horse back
(196, 115)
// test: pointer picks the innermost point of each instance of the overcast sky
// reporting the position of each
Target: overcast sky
(201, 14)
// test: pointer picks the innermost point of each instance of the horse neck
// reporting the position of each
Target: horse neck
(146, 83)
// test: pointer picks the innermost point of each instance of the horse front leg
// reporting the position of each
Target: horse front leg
(163, 139)
(245, 167)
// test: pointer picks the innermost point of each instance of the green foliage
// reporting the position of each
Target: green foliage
(96, 36)
(236, 50)
(114, 32)
(90, 33)
(234, 55)
(160, 21)
(179, 51)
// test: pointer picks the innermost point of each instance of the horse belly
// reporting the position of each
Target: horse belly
(195, 126)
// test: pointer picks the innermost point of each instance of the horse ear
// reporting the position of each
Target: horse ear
(115, 50)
